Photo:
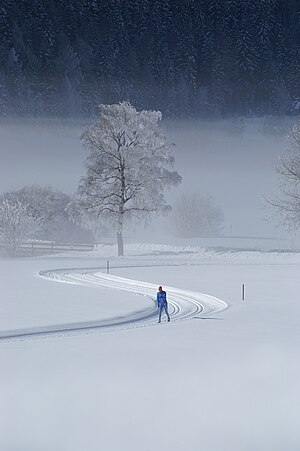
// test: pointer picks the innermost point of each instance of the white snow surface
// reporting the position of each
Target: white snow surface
(223, 380)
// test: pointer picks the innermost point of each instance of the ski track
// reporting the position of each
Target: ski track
(183, 305)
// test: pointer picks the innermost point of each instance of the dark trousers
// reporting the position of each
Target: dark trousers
(163, 306)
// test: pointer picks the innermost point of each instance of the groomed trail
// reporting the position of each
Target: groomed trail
(182, 305)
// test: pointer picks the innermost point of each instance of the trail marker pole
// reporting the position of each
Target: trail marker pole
(243, 292)
(107, 267)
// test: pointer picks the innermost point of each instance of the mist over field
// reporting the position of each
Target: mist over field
(231, 162)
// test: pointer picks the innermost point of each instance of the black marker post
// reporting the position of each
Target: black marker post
(243, 292)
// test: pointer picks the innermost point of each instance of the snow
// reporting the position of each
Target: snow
(224, 382)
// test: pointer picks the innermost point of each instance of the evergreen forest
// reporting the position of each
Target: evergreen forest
(206, 58)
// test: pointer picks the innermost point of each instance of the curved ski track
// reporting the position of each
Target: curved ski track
(182, 305)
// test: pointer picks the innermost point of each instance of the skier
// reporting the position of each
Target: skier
(162, 303)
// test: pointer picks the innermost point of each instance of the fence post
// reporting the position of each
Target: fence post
(107, 267)
(243, 292)
(51, 247)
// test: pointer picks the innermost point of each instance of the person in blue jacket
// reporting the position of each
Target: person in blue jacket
(162, 303)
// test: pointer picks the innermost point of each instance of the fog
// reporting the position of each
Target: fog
(41, 153)
(231, 162)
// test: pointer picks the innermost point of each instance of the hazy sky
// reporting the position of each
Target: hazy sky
(211, 158)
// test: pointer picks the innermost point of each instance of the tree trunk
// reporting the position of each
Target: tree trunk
(14, 244)
(120, 244)
(121, 210)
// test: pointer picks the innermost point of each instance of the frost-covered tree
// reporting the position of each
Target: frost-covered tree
(128, 167)
(50, 205)
(195, 216)
(288, 205)
(17, 224)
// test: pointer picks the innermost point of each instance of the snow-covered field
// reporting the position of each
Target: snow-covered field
(214, 379)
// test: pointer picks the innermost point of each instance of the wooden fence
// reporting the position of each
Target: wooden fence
(50, 247)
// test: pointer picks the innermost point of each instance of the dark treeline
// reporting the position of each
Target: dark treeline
(192, 57)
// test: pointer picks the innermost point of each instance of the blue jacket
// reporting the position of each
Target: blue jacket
(161, 298)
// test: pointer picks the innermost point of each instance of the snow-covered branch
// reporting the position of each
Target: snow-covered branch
(287, 207)
(17, 224)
